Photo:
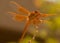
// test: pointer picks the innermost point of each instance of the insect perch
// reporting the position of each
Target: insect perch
(33, 17)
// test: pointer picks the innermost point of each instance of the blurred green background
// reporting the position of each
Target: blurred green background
(49, 32)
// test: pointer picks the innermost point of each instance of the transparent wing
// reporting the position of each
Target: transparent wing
(18, 17)
(20, 8)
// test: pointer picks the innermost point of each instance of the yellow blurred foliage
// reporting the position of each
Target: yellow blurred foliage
(51, 40)
(57, 21)
(27, 38)
(43, 34)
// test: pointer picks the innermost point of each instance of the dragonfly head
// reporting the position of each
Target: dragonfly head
(35, 11)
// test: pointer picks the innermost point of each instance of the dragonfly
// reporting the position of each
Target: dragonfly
(33, 17)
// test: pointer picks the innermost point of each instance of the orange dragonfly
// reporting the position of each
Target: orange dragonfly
(33, 17)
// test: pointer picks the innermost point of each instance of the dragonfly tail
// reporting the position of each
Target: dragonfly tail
(24, 32)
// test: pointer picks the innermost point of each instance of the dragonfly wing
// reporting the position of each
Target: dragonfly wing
(20, 8)
(18, 17)
(47, 15)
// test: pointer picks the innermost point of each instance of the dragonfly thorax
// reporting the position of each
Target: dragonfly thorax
(33, 15)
